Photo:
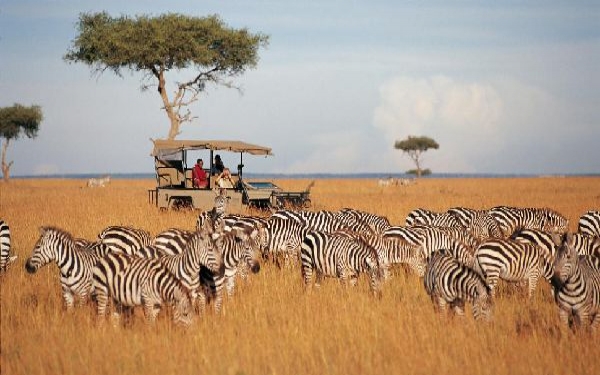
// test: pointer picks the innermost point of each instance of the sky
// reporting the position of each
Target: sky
(502, 86)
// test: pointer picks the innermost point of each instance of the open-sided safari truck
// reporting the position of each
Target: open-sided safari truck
(174, 188)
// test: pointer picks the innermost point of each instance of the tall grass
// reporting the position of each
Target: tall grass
(271, 325)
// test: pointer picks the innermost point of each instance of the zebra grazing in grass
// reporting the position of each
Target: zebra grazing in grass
(511, 219)
(236, 246)
(282, 240)
(125, 239)
(75, 263)
(199, 251)
(390, 251)
(339, 256)
(132, 281)
(479, 223)
(576, 283)
(512, 261)
(5, 258)
(589, 224)
(447, 281)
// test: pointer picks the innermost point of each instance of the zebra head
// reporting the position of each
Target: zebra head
(565, 261)
(252, 248)
(47, 248)
(208, 252)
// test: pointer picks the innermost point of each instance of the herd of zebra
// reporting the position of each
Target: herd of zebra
(461, 254)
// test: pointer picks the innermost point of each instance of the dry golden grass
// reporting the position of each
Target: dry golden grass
(272, 326)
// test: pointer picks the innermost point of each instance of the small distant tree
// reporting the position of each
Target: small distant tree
(414, 147)
(14, 122)
(159, 45)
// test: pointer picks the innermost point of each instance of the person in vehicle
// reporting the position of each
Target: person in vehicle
(199, 178)
(218, 166)
(224, 180)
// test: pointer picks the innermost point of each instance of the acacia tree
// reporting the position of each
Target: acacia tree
(155, 46)
(414, 147)
(15, 121)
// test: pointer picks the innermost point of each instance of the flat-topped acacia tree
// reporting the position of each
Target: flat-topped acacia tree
(209, 49)
(15, 121)
(414, 147)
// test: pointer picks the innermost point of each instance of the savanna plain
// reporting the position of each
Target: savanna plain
(271, 325)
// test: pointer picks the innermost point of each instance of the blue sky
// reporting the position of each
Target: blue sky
(504, 87)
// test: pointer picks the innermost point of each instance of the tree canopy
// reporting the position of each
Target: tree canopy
(15, 121)
(157, 45)
(414, 146)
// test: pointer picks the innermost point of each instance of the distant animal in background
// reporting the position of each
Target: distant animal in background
(5, 258)
(98, 182)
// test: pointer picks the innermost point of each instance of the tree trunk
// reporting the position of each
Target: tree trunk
(168, 106)
(5, 166)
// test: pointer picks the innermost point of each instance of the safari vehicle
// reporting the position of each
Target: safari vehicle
(174, 187)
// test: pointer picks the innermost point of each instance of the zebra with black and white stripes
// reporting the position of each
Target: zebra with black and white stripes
(511, 219)
(352, 218)
(339, 256)
(479, 223)
(283, 238)
(448, 282)
(421, 216)
(171, 241)
(75, 263)
(236, 246)
(130, 281)
(543, 240)
(576, 283)
(589, 224)
(513, 261)
(125, 239)
(5, 254)
(434, 238)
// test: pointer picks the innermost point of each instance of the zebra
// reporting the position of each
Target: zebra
(199, 251)
(479, 223)
(589, 223)
(5, 258)
(75, 263)
(512, 261)
(447, 281)
(511, 219)
(171, 241)
(236, 246)
(410, 235)
(125, 239)
(282, 239)
(352, 217)
(221, 201)
(583, 245)
(543, 240)
(576, 283)
(420, 216)
(339, 256)
(390, 251)
(132, 281)
(434, 238)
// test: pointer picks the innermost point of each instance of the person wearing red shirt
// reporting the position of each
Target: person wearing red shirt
(199, 178)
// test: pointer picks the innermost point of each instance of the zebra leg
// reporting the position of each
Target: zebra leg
(458, 307)
(318, 278)
(151, 310)
(441, 305)
(102, 305)
(533, 279)
(230, 284)
(564, 317)
(68, 298)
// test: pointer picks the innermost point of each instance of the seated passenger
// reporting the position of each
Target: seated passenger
(224, 180)
(218, 166)
(199, 178)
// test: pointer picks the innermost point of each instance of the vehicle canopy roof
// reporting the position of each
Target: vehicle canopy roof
(165, 148)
